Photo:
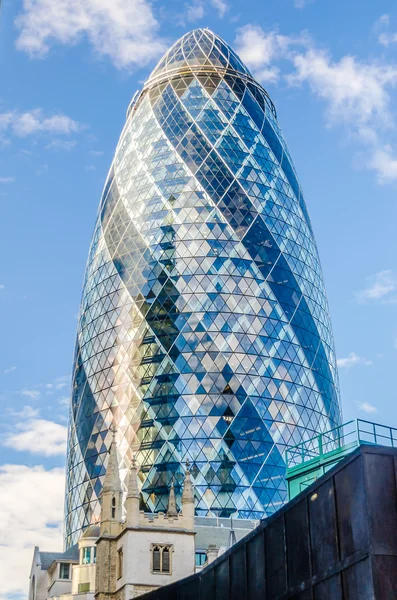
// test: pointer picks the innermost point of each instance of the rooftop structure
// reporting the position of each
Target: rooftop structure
(310, 459)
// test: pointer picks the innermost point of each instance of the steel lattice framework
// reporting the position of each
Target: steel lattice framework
(204, 331)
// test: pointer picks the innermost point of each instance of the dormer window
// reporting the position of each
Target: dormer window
(161, 558)
(113, 507)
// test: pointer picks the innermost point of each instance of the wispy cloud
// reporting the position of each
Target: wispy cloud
(221, 6)
(31, 508)
(302, 3)
(368, 408)
(2, 286)
(38, 436)
(352, 361)
(357, 94)
(33, 394)
(27, 412)
(7, 179)
(126, 32)
(194, 11)
(61, 145)
(9, 370)
(23, 124)
(381, 287)
(381, 27)
(64, 401)
(260, 49)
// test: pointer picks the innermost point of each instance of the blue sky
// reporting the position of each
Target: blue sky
(68, 70)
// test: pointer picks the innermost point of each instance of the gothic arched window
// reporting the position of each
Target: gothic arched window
(166, 563)
(157, 559)
(161, 558)
(113, 507)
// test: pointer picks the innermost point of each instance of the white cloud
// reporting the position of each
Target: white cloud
(126, 32)
(381, 27)
(356, 93)
(383, 21)
(61, 382)
(96, 152)
(31, 514)
(194, 11)
(64, 401)
(33, 394)
(7, 179)
(221, 6)
(38, 436)
(27, 412)
(352, 361)
(368, 408)
(34, 121)
(384, 163)
(9, 370)
(387, 38)
(258, 49)
(380, 287)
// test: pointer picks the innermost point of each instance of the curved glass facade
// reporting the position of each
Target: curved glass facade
(204, 331)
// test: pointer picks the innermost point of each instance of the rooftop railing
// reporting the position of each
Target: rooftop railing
(339, 441)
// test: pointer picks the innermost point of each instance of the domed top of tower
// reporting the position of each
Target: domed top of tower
(199, 48)
(92, 531)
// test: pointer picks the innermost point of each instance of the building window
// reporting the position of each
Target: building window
(86, 558)
(165, 566)
(83, 587)
(119, 563)
(113, 507)
(93, 554)
(156, 559)
(201, 558)
(161, 559)
(64, 571)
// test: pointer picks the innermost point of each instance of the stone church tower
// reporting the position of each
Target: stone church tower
(146, 551)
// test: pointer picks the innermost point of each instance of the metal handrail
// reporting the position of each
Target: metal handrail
(343, 438)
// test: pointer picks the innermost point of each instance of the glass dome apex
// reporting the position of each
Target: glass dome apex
(199, 48)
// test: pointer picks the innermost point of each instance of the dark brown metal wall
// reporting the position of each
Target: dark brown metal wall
(335, 541)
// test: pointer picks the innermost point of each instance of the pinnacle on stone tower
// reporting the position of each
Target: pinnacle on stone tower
(187, 494)
(172, 510)
(132, 486)
(111, 496)
(112, 481)
(133, 496)
(188, 503)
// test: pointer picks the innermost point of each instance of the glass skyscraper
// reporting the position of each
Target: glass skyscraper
(204, 333)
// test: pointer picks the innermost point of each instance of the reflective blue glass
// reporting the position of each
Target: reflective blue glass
(204, 331)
